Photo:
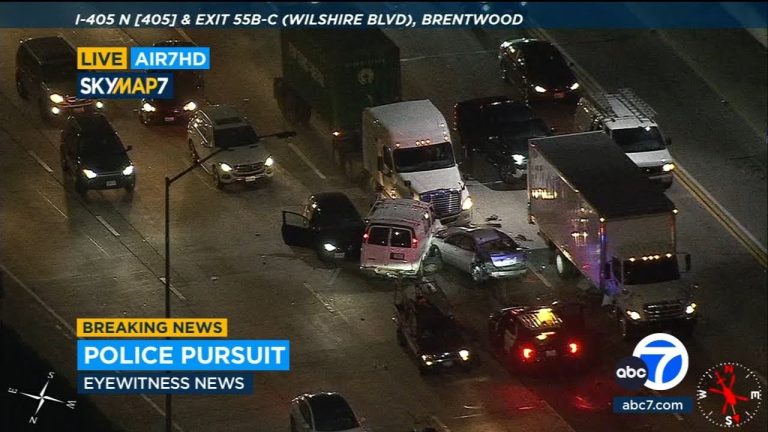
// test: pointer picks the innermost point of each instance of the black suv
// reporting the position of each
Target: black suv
(188, 95)
(46, 72)
(499, 128)
(92, 153)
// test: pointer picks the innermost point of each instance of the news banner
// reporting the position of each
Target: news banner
(108, 347)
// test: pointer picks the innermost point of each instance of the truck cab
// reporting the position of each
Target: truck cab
(408, 152)
(631, 124)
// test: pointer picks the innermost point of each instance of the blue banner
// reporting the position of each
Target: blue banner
(160, 383)
(183, 355)
(387, 14)
(100, 85)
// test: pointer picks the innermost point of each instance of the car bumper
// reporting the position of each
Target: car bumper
(394, 271)
(567, 96)
(662, 179)
(509, 273)
(235, 177)
(64, 110)
(109, 181)
(170, 116)
(446, 362)
(461, 219)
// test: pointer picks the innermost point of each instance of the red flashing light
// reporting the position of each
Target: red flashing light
(573, 347)
(528, 353)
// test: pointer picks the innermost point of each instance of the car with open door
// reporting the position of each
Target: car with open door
(329, 223)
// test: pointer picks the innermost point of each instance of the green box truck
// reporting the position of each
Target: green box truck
(330, 75)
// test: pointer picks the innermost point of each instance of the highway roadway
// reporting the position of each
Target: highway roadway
(67, 257)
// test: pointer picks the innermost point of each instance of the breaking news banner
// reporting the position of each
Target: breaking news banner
(393, 15)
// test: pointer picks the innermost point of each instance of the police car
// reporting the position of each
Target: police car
(526, 337)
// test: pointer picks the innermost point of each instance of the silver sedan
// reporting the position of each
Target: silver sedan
(484, 253)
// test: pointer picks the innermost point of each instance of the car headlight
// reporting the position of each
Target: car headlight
(634, 316)
(57, 98)
(88, 173)
(668, 167)
(575, 86)
(269, 162)
(191, 106)
(225, 167)
(147, 107)
(99, 104)
(464, 354)
(518, 158)
(128, 170)
(540, 89)
(467, 204)
(329, 247)
(690, 309)
(427, 359)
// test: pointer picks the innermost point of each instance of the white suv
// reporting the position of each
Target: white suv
(243, 159)
(397, 238)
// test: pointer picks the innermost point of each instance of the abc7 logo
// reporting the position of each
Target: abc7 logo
(659, 362)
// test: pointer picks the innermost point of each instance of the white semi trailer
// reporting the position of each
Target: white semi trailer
(606, 220)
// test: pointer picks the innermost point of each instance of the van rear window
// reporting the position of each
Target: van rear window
(401, 238)
(378, 236)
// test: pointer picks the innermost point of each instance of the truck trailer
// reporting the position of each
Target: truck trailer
(607, 221)
(330, 76)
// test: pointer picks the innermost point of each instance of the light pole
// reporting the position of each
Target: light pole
(168, 182)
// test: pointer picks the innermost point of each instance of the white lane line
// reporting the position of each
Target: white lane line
(108, 226)
(197, 174)
(52, 204)
(333, 277)
(456, 54)
(184, 35)
(322, 300)
(98, 245)
(40, 161)
(173, 289)
(306, 160)
(442, 425)
(542, 278)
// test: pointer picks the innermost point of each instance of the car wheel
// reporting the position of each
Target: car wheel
(20, 89)
(478, 274)
(322, 254)
(507, 173)
(80, 187)
(193, 152)
(564, 268)
(216, 177)
(130, 187)
(293, 425)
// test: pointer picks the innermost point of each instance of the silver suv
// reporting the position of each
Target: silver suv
(241, 158)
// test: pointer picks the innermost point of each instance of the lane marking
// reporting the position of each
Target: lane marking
(541, 278)
(52, 204)
(108, 226)
(306, 160)
(40, 161)
(442, 425)
(322, 300)
(173, 289)
(97, 245)
(455, 54)
(196, 172)
(722, 215)
(72, 333)
(184, 35)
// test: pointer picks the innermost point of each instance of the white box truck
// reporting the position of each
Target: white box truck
(606, 220)
(407, 152)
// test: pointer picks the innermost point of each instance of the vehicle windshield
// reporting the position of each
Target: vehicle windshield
(235, 136)
(62, 71)
(652, 271)
(439, 330)
(424, 158)
(101, 145)
(638, 139)
(544, 59)
(333, 414)
(499, 244)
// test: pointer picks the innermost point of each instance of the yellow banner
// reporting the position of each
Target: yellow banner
(151, 327)
(102, 58)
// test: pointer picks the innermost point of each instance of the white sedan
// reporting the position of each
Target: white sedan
(484, 253)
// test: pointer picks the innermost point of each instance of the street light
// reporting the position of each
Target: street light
(168, 182)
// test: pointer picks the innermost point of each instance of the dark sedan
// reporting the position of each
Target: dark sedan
(538, 70)
(330, 224)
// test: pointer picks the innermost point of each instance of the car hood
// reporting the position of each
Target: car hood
(106, 162)
(442, 344)
(63, 88)
(425, 181)
(554, 78)
(638, 295)
(243, 155)
(650, 158)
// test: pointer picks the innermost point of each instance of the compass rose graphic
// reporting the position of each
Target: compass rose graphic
(42, 398)
(729, 395)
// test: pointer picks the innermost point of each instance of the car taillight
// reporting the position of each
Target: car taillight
(573, 347)
(528, 353)
(365, 237)
(414, 243)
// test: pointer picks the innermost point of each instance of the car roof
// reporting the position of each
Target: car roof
(51, 49)
(333, 200)
(526, 43)
(480, 235)
(175, 43)
(93, 124)
(223, 115)
(398, 211)
(536, 318)
(326, 401)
